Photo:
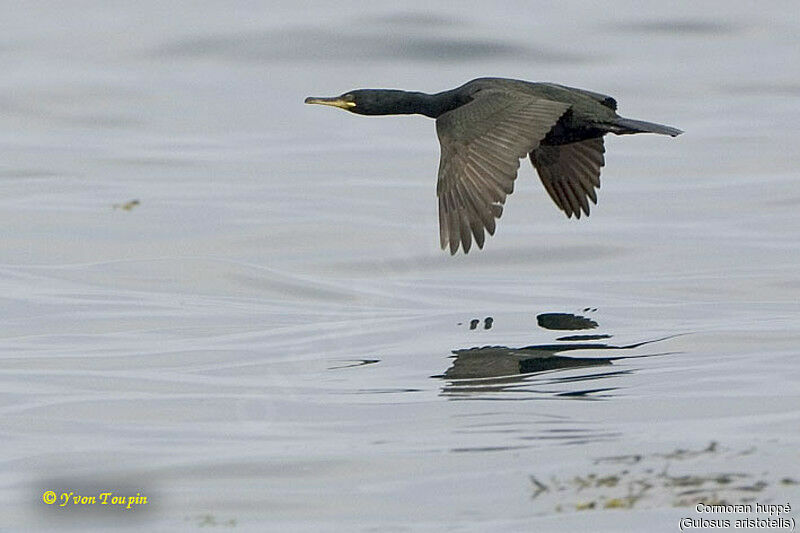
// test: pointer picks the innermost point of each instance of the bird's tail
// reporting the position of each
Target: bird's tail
(624, 126)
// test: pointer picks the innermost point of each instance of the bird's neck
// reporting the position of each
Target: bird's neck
(430, 105)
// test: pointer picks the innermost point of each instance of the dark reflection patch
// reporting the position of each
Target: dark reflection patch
(354, 363)
(505, 372)
(584, 337)
(564, 321)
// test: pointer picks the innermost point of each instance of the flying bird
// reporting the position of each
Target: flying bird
(487, 125)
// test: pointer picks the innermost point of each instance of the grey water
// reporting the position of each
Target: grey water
(269, 337)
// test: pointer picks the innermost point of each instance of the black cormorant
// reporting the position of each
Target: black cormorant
(486, 126)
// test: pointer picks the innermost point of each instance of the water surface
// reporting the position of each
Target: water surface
(272, 340)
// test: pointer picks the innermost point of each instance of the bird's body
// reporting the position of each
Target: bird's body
(488, 124)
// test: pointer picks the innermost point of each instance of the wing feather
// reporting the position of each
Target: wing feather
(481, 143)
(571, 173)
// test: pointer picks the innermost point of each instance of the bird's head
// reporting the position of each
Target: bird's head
(369, 102)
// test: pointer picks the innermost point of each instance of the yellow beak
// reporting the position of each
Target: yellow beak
(336, 101)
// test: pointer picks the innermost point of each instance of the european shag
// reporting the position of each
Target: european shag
(487, 125)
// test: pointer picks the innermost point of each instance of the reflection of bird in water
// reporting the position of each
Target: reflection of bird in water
(500, 361)
(558, 321)
(502, 369)
(488, 124)
(493, 361)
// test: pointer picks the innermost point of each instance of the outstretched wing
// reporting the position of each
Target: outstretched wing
(571, 173)
(604, 99)
(482, 143)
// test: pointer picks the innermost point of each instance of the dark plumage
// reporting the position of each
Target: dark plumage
(486, 126)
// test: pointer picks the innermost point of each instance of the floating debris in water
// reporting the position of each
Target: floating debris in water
(210, 520)
(127, 206)
(628, 459)
(686, 454)
(620, 503)
(639, 482)
(540, 487)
